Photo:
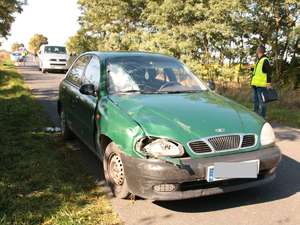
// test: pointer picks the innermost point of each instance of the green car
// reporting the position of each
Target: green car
(161, 133)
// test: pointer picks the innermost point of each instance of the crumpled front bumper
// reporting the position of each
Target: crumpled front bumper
(190, 179)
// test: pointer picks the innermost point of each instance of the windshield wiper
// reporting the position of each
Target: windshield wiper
(138, 91)
(129, 91)
(185, 91)
(158, 92)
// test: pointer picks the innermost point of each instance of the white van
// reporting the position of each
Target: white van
(53, 57)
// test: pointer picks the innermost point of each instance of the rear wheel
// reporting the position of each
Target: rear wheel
(65, 130)
(114, 171)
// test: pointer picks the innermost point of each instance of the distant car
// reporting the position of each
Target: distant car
(53, 58)
(161, 133)
(15, 56)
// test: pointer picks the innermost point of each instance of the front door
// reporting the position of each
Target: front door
(88, 105)
(73, 98)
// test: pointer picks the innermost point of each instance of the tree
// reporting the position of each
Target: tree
(36, 41)
(81, 42)
(215, 38)
(15, 46)
(8, 8)
(272, 23)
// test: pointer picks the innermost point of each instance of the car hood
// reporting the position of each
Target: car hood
(188, 116)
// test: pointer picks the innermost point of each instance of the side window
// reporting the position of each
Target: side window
(76, 72)
(92, 72)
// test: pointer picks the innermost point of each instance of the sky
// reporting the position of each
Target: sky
(56, 19)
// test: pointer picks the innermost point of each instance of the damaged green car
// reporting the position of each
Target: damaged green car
(161, 133)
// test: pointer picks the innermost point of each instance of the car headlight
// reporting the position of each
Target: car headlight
(159, 147)
(267, 136)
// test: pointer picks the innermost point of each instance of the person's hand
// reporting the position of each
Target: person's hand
(249, 66)
(269, 86)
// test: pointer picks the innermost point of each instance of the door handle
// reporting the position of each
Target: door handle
(76, 99)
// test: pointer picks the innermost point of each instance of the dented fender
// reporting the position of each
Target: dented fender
(119, 126)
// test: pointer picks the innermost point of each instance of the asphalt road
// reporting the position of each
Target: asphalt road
(274, 203)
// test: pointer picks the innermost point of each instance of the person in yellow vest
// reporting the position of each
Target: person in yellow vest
(261, 79)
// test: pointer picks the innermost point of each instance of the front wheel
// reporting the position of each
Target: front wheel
(114, 171)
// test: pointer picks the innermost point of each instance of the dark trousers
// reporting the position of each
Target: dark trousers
(259, 106)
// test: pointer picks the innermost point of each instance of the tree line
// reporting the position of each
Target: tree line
(215, 38)
(35, 42)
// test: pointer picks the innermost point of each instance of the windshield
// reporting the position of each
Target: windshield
(55, 49)
(151, 74)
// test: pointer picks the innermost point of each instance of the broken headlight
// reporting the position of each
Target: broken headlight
(159, 147)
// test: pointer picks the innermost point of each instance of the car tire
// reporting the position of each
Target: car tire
(66, 132)
(44, 70)
(114, 171)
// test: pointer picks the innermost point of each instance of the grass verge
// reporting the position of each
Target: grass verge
(40, 180)
(277, 112)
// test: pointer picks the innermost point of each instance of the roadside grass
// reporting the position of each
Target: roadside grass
(277, 112)
(40, 179)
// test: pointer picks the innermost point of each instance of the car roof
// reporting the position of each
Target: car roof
(115, 54)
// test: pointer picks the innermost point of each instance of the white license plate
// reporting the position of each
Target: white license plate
(231, 170)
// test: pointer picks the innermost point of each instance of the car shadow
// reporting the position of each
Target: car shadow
(287, 183)
(286, 133)
(290, 136)
(29, 67)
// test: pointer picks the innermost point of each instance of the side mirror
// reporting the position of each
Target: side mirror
(87, 89)
(211, 85)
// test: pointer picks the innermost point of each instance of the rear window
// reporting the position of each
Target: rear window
(55, 49)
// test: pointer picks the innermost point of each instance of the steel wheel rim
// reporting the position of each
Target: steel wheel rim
(116, 169)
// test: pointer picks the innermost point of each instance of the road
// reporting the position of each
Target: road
(274, 203)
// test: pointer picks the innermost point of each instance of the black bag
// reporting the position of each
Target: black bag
(269, 95)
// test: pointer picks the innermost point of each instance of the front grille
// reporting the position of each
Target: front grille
(57, 64)
(248, 141)
(225, 142)
(62, 60)
(52, 60)
(200, 147)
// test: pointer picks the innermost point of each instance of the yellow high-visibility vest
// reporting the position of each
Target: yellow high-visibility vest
(259, 78)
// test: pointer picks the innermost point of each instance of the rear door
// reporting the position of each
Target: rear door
(72, 96)
(88, 105)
